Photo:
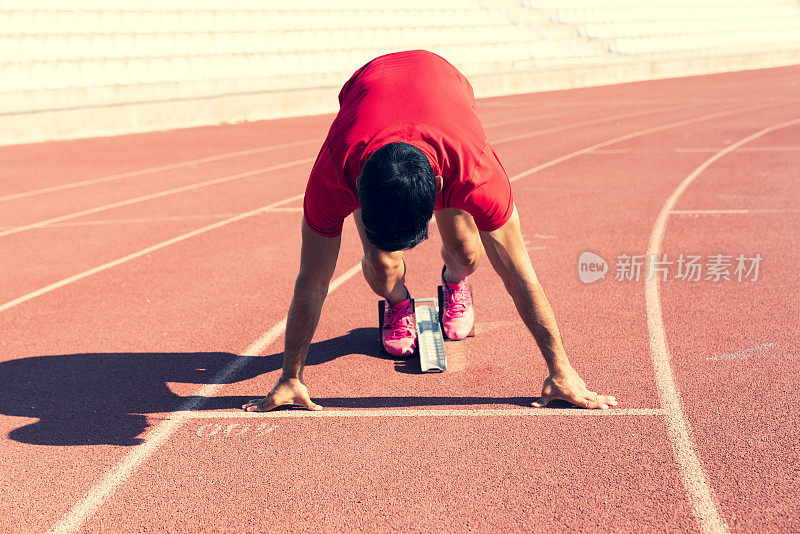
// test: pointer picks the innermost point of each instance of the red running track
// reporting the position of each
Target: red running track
(146, 277)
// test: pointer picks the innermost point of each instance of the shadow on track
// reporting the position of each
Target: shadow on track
(93, 399)
(103, 398)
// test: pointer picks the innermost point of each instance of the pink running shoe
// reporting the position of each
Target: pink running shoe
(458, 316)
(399, 333)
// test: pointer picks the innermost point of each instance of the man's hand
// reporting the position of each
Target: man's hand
(317, 261)
(288, 391)
(565, 384)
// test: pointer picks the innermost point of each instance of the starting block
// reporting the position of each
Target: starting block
(430, 340)
(430, 337)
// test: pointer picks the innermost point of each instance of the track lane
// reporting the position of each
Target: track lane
(38, 212)
(55, 164)
(407, 474)
(45, 256)
(140, 338)
(193, 163)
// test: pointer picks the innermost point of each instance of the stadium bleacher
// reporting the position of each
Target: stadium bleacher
(661, 26)
(50, 49)
(56, 55)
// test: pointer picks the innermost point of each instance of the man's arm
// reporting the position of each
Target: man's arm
(318, 256)
(509, 257)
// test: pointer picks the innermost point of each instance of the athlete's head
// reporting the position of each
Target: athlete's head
(397, 191)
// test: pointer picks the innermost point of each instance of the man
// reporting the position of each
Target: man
(407, 146)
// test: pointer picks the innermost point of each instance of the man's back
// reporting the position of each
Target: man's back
(415, 90)
(418, 98)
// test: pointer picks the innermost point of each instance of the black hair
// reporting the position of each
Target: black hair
(397, 191)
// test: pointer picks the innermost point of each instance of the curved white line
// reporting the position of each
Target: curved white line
(694, 478)
(639, 133)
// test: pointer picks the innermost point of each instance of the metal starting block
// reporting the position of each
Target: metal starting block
(430, 341)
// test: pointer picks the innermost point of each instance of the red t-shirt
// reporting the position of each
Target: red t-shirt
(418, 98)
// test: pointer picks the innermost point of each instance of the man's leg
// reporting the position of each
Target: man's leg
(462, 251)
(385, 272)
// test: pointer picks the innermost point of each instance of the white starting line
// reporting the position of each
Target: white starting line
(399, 412)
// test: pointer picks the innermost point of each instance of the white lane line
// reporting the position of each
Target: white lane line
(750, 197)
(700, 492)
(732, 212)
(160, 194)
(102, 490)
(153, 248)
(707, 212)
(466, 412)
(693, 150)
(104, 222)
(578, 190)
(629, 151)
(524, 119)
(640, 133)
(599, 120)
(152, 170)
(573, 112)
(744, 149)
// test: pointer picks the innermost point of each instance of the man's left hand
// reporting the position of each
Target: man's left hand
(566, 385)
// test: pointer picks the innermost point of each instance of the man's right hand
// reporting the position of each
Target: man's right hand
(288, 391)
